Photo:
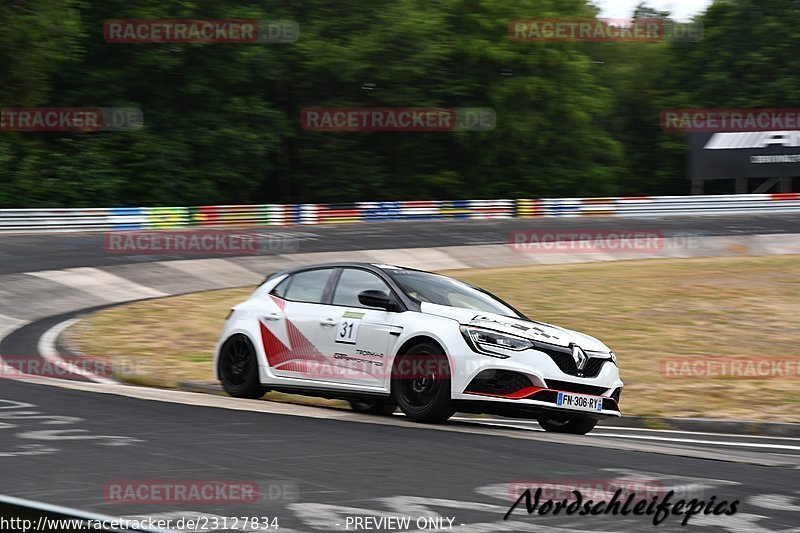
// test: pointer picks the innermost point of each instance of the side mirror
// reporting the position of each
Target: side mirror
(375, 298)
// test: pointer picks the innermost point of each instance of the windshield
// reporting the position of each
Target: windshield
(441, 290)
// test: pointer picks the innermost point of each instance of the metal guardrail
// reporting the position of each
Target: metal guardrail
(661, 206)
(140, 218)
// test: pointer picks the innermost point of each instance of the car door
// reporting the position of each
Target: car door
(363, 336)
(295, 339)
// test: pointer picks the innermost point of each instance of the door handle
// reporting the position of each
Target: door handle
(273, 317)
(327, 322)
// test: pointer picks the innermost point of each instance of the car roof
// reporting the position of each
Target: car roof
(340, 264)
(375, 267)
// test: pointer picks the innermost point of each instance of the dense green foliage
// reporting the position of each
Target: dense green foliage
(222, 121)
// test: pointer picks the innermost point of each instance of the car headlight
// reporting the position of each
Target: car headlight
(604, 355)
(487, 341)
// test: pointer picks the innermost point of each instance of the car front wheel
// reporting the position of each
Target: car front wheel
(576, 425)
(238, 368)
(421, 384)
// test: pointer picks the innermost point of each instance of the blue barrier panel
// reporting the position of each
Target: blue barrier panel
(380, 211)
(558, 209)
(134, 214)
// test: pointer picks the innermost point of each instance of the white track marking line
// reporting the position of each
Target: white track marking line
(699, 441)
(622, 428)
(47, 349)
(734, 435)
(100, 284)
(665, 439)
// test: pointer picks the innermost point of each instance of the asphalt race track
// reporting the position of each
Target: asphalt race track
(314, 472)
(317, 469)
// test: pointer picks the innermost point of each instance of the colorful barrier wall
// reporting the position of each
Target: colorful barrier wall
(139, 218)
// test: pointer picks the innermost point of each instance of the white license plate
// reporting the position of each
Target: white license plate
(579, 401)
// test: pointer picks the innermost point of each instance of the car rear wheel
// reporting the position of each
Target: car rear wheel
(421, 383)
(238, 368)
(576, 425)
(373, 408)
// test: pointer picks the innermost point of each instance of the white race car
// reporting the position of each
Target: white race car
(384, 336)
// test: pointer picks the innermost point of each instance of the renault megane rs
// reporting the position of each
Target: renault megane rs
(383, 336)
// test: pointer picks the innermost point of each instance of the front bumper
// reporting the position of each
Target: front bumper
(528, 385)
(534, 401)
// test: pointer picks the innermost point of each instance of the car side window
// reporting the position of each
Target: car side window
(353, 281)
(280, 289)
(308, 286)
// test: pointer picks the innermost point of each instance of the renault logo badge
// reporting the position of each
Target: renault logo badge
(580, 357)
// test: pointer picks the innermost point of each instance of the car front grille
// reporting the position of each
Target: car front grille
(594, 365)
(562, 357)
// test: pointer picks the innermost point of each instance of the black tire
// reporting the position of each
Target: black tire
(238, 368)
(373, 408)
(421, 384)
(578, 425)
